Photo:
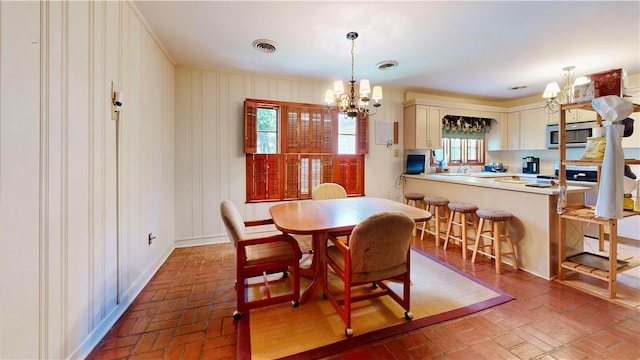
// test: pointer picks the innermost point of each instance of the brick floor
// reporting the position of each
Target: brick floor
(185, 313)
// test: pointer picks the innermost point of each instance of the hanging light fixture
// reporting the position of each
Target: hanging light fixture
(556, 97)
(349, 103)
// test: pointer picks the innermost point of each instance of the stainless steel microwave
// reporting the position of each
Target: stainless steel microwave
(576, 134)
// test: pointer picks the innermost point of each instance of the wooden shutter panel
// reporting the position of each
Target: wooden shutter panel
(256, 177)
(329, 132)
(263, 180)
(362, 143)
(304, 130)
(315, 131)
(273, 178)
(291, 176)
(349, 172)
(326, 171)
(290, 136)
(250, 126)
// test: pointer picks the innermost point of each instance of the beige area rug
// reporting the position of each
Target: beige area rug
(314, 329)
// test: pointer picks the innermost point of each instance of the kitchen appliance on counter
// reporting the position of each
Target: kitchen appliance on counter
(495, 167)
(530, 165)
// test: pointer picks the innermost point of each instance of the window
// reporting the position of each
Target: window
(291, 148)
(462, 141)
(267, 127)
(459, 151)
(346, 134)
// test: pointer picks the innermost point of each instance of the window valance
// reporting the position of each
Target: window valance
(465, 127)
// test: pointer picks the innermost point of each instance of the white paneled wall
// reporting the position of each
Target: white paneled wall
(210, 163)
(79, 193)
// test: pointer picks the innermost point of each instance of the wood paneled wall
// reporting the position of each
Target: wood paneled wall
(74, 212)
(210, 164)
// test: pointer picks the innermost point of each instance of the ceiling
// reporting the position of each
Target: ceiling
(475, 48)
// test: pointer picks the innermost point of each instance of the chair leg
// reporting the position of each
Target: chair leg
(507, 234)
(497, 243)
(449, 226)
(463, 220)
(479, 238)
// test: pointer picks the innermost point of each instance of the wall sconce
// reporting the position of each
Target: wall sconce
(116, 102)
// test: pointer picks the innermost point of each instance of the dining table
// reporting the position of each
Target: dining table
(318, 218)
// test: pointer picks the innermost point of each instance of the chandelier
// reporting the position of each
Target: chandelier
(349, 103)
(556, 97)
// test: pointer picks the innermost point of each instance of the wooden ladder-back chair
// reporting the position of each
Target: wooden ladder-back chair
(260, 256)
(328, 191)
(377, 250)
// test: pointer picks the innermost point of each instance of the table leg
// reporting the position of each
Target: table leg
(315, 270)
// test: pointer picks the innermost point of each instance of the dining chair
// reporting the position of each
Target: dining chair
(259, 257)
(328, 191)
(377, 250)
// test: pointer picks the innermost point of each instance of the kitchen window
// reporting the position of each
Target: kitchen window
(459, 151)
(291, 148)
(462, 141)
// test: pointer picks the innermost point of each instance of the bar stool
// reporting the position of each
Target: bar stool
(495, 219)
(416, 200)
(438, 207)
(460, 210)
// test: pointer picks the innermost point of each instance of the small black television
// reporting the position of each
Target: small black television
(415, 163)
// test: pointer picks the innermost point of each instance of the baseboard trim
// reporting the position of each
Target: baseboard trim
(127, 298)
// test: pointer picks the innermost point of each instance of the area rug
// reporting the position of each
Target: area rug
(439, 293)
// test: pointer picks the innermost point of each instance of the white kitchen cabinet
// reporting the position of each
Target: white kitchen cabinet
(422, 127)
(579, 115)
(498, 137)
(533, 127)
(513, 130)
(575, 115)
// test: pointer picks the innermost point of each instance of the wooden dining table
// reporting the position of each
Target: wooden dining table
(318, 218)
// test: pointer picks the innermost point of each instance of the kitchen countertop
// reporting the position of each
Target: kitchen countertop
(503, 181)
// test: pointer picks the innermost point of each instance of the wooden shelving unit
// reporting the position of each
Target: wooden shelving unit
(573, 273)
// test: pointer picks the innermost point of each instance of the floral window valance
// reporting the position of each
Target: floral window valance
(465, 126)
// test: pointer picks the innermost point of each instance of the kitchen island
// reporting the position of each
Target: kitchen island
(534, 227)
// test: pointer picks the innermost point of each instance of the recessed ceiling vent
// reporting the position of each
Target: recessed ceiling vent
(518, 87)
(387, 65)
(265, 46)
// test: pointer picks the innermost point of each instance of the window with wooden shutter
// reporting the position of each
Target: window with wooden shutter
(291, 148)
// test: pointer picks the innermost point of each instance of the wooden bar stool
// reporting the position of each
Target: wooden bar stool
(438, 207)
(495, 219)
(415, 200)
(460, 211)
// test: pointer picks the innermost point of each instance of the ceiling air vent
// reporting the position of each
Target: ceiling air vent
(265, 46)
(387, 65)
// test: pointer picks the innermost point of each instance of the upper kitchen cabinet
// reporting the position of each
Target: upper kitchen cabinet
(498, 137)
(533, 125)
(513, 131)
(505, 132)
(422, 126)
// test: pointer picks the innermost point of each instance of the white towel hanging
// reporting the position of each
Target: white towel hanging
(611, 191)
